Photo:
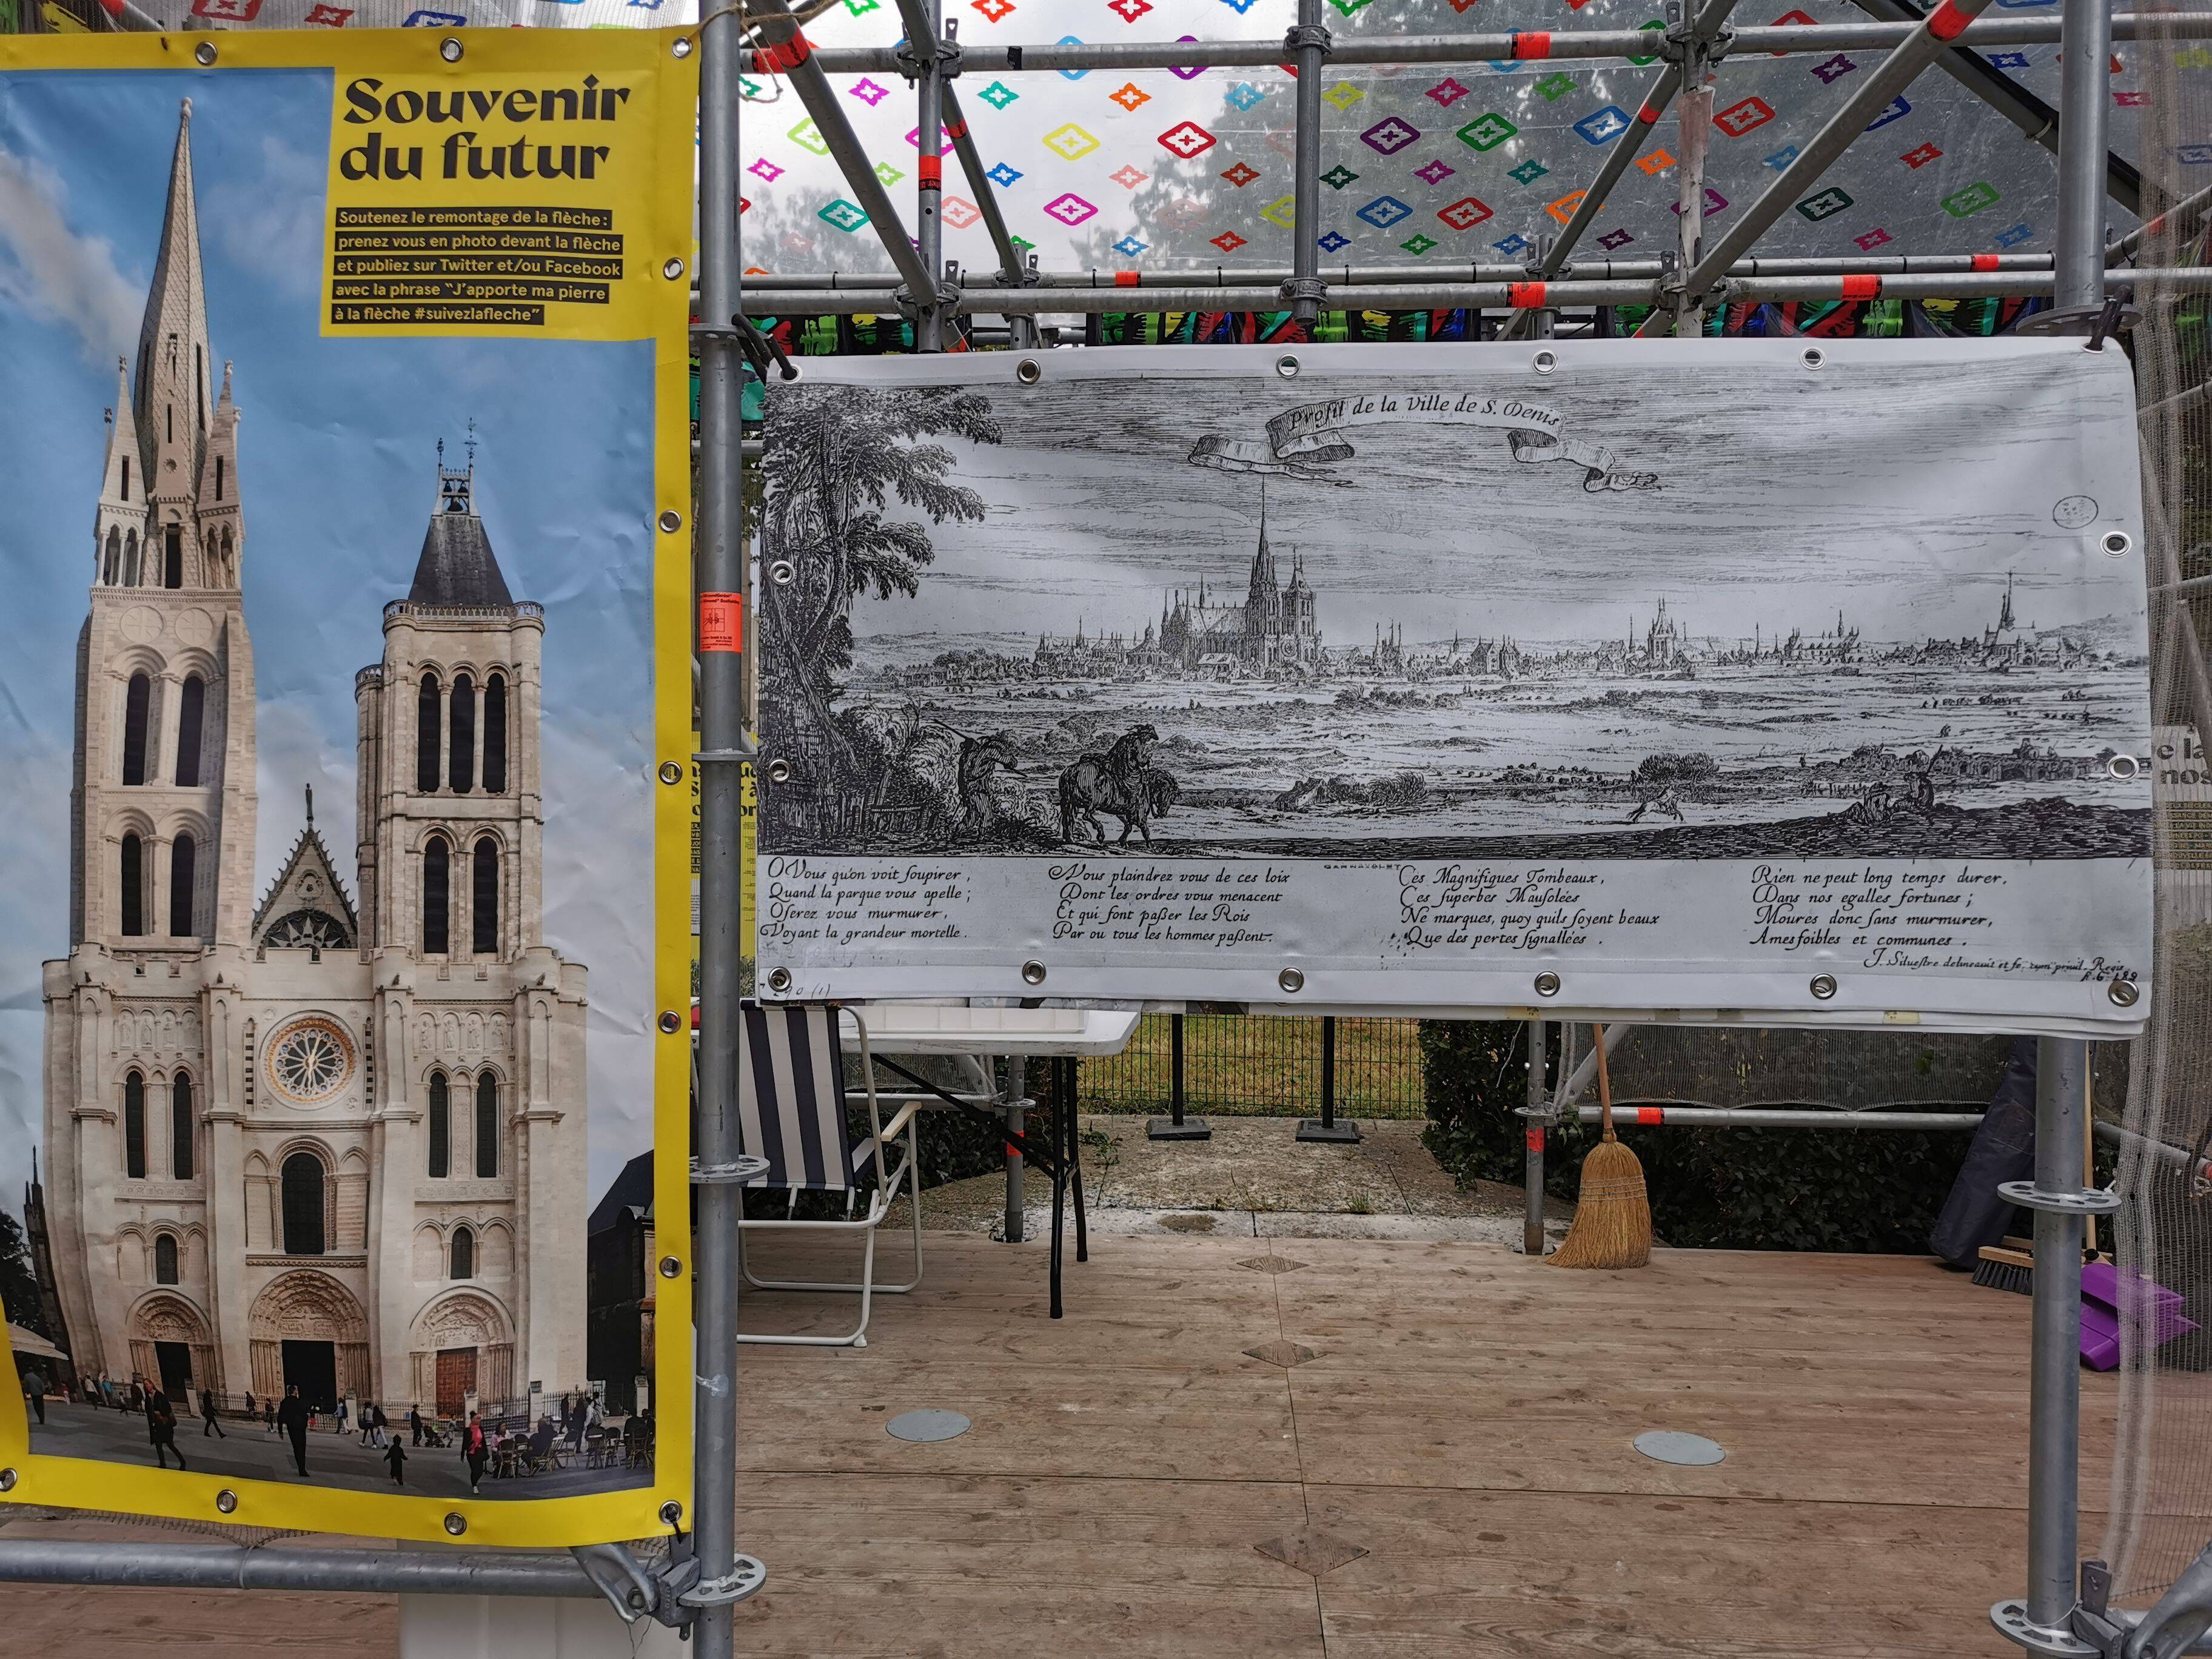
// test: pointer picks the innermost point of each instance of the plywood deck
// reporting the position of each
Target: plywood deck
(1133, 1473)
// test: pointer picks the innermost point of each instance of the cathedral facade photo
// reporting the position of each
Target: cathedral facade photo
(303, 1127)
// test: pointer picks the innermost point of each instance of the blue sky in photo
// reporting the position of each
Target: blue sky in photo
(336, 477)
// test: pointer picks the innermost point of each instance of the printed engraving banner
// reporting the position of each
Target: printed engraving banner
(1824, 699)
(340, 899)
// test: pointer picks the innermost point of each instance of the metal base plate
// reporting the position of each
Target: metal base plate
(1166, 1128)
(927, 1427)
(2011, 1621)
(1672, 1446)
(1313, 1128)
(2090, 1200)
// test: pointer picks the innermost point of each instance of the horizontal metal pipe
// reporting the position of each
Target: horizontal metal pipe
(1933, 285)
(2165, 1151)
(1522, 45)
(226, 1566)
(1629, 1115)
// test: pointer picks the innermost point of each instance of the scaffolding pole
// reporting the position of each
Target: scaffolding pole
(1308, 43)
(1514, 45)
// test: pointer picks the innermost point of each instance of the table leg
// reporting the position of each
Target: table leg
(1018, 1068)
(1068, 1085)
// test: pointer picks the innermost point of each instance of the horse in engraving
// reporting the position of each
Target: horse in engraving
(1122, 782)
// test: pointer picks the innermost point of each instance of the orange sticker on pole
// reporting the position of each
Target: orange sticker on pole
(721, 622)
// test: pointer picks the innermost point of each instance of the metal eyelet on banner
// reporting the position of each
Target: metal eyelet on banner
(1287, 367)
(779, 980)
(671, 521)
(2122, 767)
(450, 49)
(1545, 361)
(1547, 984)
(1033, 973)
(1029, 371)
(1824, 986)
(671, 772)
(1291, 981)
(1812, 357)
(681, 47)
(673, 270)
(457, 1524)
(670, 1021)
(2124, 993)
(226, 1501)
(671, 1267)
(2118, 542)
(204, 53)
(7, 1479)
(779, 771)
(670, 1513)
(781, 572)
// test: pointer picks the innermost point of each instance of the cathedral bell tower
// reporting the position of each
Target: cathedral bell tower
(162, 803)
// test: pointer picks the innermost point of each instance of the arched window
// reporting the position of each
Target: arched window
(134, 1126)
(464, 1252)
(487, 1127)
(218, 478)
(137, 703)
(130, 559)
(112, 567)
(125, 494)
(184, 855)
(192, 716)
(428, 706)
(133, 875)
(229, 560)
(495, 778)
(462, 772)
(173, 555)
(441, 1126)
(180, 1127)
(302, 1183)
(484, 911)
(437, 896)
(165, 1258)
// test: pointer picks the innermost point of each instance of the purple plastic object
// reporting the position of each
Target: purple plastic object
(2102, 1292)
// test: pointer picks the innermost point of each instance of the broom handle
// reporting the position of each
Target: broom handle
(2090, 1154)
(1604, 1085)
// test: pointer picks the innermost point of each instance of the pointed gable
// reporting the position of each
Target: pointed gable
(306, 906)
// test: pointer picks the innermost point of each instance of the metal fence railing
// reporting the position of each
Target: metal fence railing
(1262, 1066)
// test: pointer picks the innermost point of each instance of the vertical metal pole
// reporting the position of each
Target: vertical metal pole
(1695, 113)
(1305, 207)
(1174, 1068)
(929, 89)
(1533, 1122)
(2085, 52)
(1018, 1089)
(1326, 1128)
(721, 559)
(2054, 1432)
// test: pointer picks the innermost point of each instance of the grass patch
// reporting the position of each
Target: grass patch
(1259, 1065)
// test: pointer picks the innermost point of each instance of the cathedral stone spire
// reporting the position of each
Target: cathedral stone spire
(457, 566)
(171, 402)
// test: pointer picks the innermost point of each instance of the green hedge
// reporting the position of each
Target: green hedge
(1757, 1189)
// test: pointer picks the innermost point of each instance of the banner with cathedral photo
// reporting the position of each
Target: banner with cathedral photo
(345, 506)
(1679, 679)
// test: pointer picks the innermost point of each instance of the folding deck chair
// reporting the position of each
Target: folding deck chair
(791, 1111)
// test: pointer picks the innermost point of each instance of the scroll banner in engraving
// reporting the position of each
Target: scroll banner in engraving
(344, 648)
(1856, 731)
(1305, 441)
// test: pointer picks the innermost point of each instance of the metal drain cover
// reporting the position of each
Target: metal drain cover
(1672, 1446)
(927, 1425)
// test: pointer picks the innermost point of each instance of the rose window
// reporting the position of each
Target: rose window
(309, 1061)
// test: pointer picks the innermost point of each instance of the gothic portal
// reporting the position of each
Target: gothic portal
(318, 1140)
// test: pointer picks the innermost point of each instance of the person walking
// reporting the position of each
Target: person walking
(341, 1427)
(395, 1455)
(208, 1425)
(474, 1450)
(161, 1427)
(35, 1391)
(367, 1420)
(415, 1422)
(251, 1410)
(292, 1418)
(382, 1434)
(268, 1413)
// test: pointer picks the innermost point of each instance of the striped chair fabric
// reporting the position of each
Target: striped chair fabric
(791, 1096)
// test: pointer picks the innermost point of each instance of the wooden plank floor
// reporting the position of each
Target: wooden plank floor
(1461, 1415)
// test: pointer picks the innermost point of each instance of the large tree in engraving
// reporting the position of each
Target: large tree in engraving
(847, 470)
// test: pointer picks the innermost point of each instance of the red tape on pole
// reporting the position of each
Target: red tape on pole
(1861, 288)
(721, 622)
(1650, 1114)
(1946, 21)
(1985, 261)
(1525, 296)
(1648, 116)
(1128, 278)
(788, 56)
(1536, 1139)
(1529, 43)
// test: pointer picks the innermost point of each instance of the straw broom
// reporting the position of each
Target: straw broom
(1613, 1218)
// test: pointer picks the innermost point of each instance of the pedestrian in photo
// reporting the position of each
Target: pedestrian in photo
(395, 1455)
(367, 1420)
(415, 1422)
(251, 1411)
(208, 1425)
(35, 1391)
(292, 1417)
(474, 1450)
(268, 1413)
(341, 1427)
(161, 1427)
